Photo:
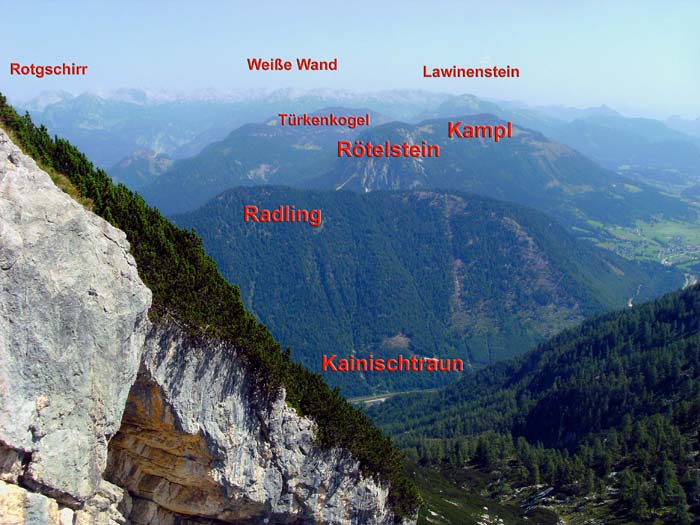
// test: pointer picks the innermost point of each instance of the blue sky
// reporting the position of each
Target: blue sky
(639, 57)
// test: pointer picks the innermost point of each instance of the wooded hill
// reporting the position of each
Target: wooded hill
(429, 273)
(607, 410)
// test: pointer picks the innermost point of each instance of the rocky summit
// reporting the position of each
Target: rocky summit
(110, 418)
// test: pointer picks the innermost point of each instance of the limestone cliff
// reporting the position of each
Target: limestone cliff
(108, 418)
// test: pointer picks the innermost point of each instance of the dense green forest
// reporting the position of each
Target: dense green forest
(187, 285)
(427, 273)
(610, 409)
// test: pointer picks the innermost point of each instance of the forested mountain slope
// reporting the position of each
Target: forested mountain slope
(424, 272)
(528, 169)
(607, 410)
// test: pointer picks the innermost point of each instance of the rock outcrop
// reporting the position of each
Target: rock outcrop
(73, 320)
(108, 418)
(196, 441)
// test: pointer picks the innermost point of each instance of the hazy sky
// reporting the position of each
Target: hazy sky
(636, 56)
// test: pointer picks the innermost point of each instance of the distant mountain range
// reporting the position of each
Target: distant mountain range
(528, 169)
(662, 153)
(423, 272)
(645, 149)
(626, 183)
(112, 126)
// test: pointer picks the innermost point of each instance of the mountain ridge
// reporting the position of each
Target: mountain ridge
(528, 169)
(255, 153)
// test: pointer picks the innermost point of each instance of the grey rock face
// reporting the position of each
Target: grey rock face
(108, 419)
(194, 431)
(73, 317)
